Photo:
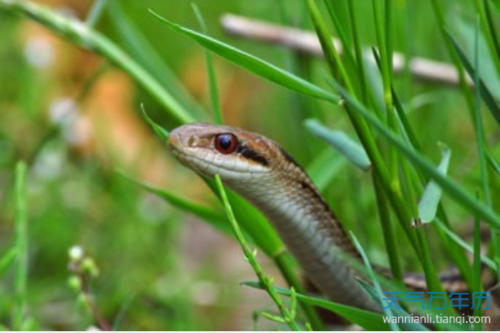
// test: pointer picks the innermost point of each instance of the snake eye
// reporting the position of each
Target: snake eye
(226, 143)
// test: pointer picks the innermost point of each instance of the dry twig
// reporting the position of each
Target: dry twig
(307, 42)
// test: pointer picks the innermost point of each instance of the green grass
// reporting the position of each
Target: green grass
(406, 209)
(21, 279)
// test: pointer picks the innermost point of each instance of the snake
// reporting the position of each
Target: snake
(262, 172)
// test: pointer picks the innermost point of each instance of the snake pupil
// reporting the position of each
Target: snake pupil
(226, 143)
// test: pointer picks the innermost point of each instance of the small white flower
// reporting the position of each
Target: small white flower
(76, 253)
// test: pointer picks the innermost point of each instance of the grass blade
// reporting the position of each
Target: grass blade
(493, 162)
(488, 33)
(408, 324)
(7, 260)
(341, 33)
(496, 3)
(480, 138)
(264, 280)
(485, 93)
(428, 205)
(214, 96)
(481, 148)
(21, 279)
(369, 320)
(352, 150)
(159, 131)
(463, 244)
(252, 63)
(332, 57)
(477, 268)
(388, 231)
(213, 217)
(96, 12)
(378, 296)
(454, 57)
(358, 51)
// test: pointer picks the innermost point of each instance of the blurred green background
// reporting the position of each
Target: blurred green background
(75, 120)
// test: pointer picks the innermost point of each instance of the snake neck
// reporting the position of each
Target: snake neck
(310, 231)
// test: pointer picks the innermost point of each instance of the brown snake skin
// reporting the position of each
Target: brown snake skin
(259, 170)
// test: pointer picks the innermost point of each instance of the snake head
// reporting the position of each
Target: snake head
(231, 152)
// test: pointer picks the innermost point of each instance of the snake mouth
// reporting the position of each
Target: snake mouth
(202, 165)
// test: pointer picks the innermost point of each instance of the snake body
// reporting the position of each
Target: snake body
(258, 169)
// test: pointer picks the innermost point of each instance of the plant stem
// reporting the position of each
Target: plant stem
(265, 281)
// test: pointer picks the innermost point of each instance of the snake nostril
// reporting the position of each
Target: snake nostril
(191, 141)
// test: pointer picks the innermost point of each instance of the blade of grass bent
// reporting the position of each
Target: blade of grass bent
(428, 205)
(352, 150)
(252, 63)
(159, 131)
